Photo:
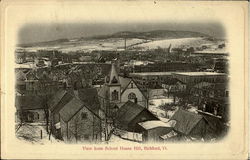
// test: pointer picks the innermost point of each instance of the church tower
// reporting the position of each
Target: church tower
(113, 85)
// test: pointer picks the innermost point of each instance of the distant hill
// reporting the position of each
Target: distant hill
(156, 34)
(149, 35)
(54, 42)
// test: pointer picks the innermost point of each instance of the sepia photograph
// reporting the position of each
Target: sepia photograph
(107, 79)
(135, 83)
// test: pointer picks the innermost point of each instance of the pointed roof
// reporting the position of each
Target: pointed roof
(113, 77)
(124, 82)
(59, 100)
(185, 121)
(70, 109)
(89, 97)
(130, 111)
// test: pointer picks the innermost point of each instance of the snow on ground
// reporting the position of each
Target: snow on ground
(116, 139)
(31, 133)
(89, 45)
(155, 103)
(179, 42)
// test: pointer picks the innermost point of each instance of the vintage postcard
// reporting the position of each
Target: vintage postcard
(124, 80)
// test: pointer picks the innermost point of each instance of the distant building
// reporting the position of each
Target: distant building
(166, 67)
(151, 80)
(174, 85)
(197, 77)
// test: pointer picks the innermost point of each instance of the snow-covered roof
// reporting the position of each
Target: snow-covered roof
(199, 73)
(153, 124)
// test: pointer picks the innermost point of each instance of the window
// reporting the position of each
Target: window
(114, 80)
(131, 96)
(132, 85)
(83, 115)
(114, 95)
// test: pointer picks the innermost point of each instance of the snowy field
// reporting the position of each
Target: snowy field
(31, 133)
(180, 42)
(155, 103)
(132, 43)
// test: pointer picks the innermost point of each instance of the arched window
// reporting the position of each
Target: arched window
(131, 96)
(114, 95)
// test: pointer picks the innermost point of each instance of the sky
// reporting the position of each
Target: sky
(30, 33)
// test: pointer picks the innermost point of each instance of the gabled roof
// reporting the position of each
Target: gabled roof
(185, 121)
(89, 97)
(124, 82)
(128, 112)
(30, 102)
(70, 109)
(59, 100)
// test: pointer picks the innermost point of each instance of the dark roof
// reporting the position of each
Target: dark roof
(173, 81)
(128, 112)
(70, 109)
(215, 124)
(59, 100)
(124, 82)
(89, 97)
(185, 121)
(30, 102)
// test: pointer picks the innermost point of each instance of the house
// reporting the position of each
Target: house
(30, 109)
(153, 129)
(66, 108)
(116, 91)
(130, 114)
(195, 126)
(55, 104)
(79, 123)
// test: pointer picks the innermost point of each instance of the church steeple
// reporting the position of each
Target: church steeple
(113, 85)
(113, 78)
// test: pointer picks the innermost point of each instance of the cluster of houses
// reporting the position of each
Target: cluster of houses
(88, 103)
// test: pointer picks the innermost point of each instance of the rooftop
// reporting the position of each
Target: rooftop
(153, 124)
(151, 74)
(199, 73)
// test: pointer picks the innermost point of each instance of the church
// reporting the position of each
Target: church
(117, 90)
